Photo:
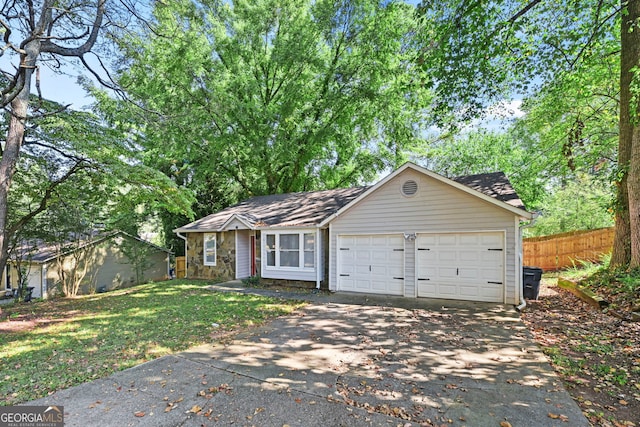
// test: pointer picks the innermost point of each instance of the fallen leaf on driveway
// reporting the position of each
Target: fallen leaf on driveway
(139, 414)
(558, 417)
(195, 409)
(505, 424)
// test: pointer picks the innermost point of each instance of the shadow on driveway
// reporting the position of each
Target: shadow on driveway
(343, 360)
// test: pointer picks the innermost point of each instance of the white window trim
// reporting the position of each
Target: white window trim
(301, 251)
(206, 237)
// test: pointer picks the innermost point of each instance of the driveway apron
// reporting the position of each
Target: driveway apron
(343, 360)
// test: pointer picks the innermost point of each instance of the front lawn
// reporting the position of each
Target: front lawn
(51, 345)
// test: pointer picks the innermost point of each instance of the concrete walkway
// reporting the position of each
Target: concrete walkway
(343, 360)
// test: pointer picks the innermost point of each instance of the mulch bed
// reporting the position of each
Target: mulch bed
(597, 355)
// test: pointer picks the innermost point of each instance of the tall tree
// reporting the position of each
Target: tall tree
(74, 173)
(626, 247)
(31, 30)
(271, 96)
(509, 46)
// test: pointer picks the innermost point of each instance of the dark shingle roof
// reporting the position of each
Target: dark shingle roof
(495, 185)
(39, 251)
(308, 209)
(281, 210)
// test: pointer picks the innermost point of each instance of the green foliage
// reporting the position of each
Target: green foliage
(482, 51)
(252, 281)
(272, 96)
(75, 173)
(485, 151)
(109, 332)
(583, 269)
(582, 203)
(573, 121)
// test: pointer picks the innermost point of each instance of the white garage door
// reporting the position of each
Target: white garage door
(371, 264)
(466, 266)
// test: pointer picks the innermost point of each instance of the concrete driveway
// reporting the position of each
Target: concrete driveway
(344, 360)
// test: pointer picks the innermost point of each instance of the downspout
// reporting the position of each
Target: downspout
(185, 254)
(531, 223)
(318, 249)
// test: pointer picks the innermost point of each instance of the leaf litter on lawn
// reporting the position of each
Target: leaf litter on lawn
(596, 355)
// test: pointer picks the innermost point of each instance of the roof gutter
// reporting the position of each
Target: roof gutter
(185, 252)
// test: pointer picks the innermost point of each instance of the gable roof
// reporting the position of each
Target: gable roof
(38, 251)
(318, 208)
(480, 186)
(304, 209)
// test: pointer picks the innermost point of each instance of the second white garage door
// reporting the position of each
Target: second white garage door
(371, 263)
(466, 266)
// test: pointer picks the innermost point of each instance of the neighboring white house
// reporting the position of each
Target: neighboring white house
(414, 234)
(109, 264)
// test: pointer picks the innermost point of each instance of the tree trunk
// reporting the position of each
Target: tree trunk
(15, 137)
(626, 245)
(629, 121)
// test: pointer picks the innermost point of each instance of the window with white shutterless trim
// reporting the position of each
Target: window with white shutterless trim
(290, 250)
(210, 249)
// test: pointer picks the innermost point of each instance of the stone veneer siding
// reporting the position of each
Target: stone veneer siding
(225, 268)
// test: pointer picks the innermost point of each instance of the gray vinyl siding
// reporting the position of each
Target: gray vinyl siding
(436, 208)
(113, 269)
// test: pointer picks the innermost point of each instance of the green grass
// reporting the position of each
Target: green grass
(90, 337)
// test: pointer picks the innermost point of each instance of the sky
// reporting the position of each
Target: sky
(62, 88)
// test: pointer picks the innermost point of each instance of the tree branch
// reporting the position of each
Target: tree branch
(48, 46)
(523, 11)
(81, 165)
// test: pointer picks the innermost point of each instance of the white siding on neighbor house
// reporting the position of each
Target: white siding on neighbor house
(34, 279)
(305, 275)
(243, 254)
(435, 208)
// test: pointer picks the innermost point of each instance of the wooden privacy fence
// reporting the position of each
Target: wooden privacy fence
(181, 270)
(565, 250)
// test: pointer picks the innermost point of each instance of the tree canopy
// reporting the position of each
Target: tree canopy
(481, 51)
(271, 96)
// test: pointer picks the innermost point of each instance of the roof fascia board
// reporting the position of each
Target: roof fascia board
(234, 217)
(287, 228)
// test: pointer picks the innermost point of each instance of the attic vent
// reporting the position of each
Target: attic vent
(409, 188)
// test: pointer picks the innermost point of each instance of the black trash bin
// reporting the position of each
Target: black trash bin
(531, 277)
(28, 294)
